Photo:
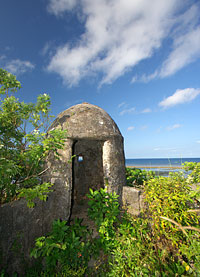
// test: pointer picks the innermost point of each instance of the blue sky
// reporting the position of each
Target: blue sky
(137, 59)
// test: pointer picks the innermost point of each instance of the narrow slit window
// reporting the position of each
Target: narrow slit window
(80, 158)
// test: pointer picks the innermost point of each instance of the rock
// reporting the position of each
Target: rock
(132, 200)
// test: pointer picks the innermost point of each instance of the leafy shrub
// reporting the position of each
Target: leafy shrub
(174, 225)
(66, 248)
(194, 172)
(24, 143)
(136, 177)
(163, 241)
(104, 210)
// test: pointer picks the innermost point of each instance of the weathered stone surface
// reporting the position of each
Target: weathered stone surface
(20, 226)
(87, 121)
(132, 200)
(98, 145)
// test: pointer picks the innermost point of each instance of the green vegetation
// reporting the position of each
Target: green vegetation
(163, 241)
(65, 247)
(136, 177)
(24, 143)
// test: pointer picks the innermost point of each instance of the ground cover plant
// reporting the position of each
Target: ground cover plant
(163, 241)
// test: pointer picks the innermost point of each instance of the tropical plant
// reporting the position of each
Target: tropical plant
(65, 248)
(193, 170)
(163, 241)
(174, 221)
(136, 177)
(24, 143)
(104, 211)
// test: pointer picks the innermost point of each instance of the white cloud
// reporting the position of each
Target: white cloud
(130, 128)
(118, 35)
(198, 141)
(18, 67)
(165, 149)
(3, 57)
(147, 110)
(58, 7)
(180, 97)
(173, 127)
(157, 149)
(46, 48)
(145, 78)
(122, 104)
(127, 111)
(185, 48)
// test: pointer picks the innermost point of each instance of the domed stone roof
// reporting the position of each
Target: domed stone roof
(87, 121)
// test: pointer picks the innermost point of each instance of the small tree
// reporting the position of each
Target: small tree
(24, 143)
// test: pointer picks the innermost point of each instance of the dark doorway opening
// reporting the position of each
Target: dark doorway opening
(87, 172)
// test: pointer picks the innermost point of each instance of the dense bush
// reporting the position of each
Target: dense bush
(136, 177)
(163, 241)
(24, 143)
(65, 247)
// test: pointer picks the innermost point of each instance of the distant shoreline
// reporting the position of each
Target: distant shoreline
(153, 167)
(158, 165)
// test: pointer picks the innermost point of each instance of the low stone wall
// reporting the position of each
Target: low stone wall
(20, 226)
(133, 200)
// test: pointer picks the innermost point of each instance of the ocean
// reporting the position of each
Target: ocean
(160, 166)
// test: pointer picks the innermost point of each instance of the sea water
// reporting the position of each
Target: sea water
(160, 166)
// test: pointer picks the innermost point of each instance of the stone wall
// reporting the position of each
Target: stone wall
(133, 200)
(92, 136)
(20, 225)
(92, 132)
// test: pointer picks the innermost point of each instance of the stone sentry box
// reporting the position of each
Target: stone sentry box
(97, 144)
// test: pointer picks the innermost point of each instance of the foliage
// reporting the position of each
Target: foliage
(174, 224)
(24, 143)
(38, 270)
(39, 191)
(72, 246)
(134, 254)
(170, 197)
(163, 241)
(66, 247)
(8, 82)
(104, 210)
(136, 177)
(194, 172)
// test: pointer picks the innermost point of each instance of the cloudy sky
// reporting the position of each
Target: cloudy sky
(137, 59)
